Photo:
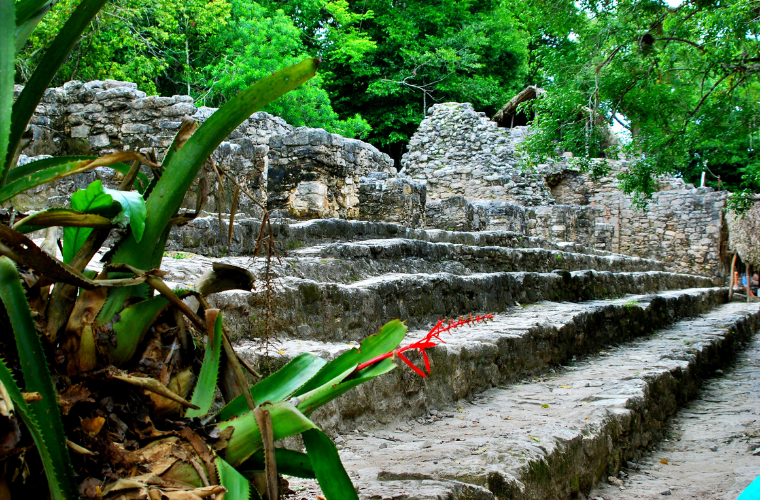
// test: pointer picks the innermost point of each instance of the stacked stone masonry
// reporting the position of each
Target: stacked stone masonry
(459, 152)
(462, 172)
(304, 173)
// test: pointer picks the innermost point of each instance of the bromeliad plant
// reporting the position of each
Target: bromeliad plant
(101, 367)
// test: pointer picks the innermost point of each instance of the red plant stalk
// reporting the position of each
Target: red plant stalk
(443, 325)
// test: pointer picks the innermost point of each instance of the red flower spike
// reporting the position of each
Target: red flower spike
(443, 325)
(411, 365)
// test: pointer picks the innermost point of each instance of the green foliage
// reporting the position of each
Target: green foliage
(390, 61)
(126, 207)
(679, 80)
(203, 394)
(43, 417)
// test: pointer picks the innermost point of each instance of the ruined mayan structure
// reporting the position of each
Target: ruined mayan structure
(462, 172)
(460, 152)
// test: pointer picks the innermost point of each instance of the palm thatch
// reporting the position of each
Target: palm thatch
(744, 235)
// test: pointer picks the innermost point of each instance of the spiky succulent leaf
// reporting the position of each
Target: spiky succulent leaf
(246, 439)
(278, 386)
(203, 394)
(36, 374)
(332, 477)
(236, 484)
(40, 80)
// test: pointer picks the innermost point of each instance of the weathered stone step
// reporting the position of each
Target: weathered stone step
(352, 262)
(335, 312)
(556, 437)
(202, 236)
(489, 258)
(526, 341)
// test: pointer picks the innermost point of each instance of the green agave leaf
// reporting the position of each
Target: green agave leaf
(278, 386)
(64, 217)
(387, 339)
(134, 322)
(203, 394)
(52, 470)
(141, 181)
(290, 462)
(237, 485)
(7, 71)
(40, 80)
(58, 168)
(246, 439)
(332, 477)
(318, 397)
(37, 377)
(28, 15)
(184, 164)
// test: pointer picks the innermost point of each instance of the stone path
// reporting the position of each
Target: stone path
(713, 445)
(553, 436)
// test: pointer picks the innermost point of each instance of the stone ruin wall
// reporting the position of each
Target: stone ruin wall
(459, 152)
(462, 172)
(296, 172)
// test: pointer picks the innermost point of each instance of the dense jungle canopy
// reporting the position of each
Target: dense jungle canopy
(678, 78)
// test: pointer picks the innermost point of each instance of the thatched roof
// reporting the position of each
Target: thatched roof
(744, 235)
(510, 109)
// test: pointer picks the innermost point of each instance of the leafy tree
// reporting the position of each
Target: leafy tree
(389, 61)
(208, 49)
(682, 80)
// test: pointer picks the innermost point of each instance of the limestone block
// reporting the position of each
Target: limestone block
(456, 214)
(382, 198)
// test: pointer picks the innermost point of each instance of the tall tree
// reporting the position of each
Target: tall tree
(681, 79)
(390, 60)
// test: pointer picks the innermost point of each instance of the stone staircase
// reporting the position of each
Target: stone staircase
(588, 354)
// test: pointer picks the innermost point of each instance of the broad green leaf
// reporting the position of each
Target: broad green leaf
(55, 472)
(64, 217)
(96, 199)
(290, 462)
(236, 484)
(278, 386)
(40, 80)
(246, 439)
(141, 181)
(53, 169)
(34, 368)
(133, 323)
(203, 394)
(133, 207)
(318, 397)
(387, 339)
(7, 70)
(332, 477)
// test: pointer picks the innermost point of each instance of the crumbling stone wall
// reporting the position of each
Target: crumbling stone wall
(460, 152)
(300, 173)
(315, 174)
(383, 198)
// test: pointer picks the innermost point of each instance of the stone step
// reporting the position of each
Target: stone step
(333, 312)
(202, 236)
(555, 437)
(489, 258)
(527, 341)
(356, 261)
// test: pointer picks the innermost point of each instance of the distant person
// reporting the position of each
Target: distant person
(754, 283)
